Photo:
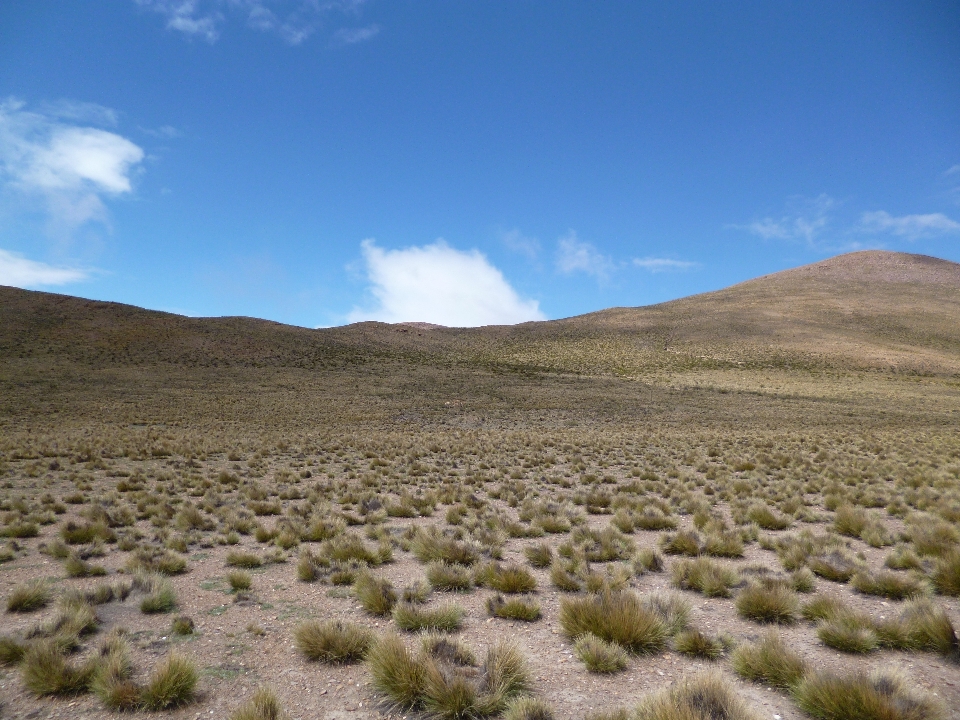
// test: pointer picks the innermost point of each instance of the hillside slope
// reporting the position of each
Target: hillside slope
(862, 310)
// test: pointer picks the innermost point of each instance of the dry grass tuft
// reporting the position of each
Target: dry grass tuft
(826, 696)
(264, 705)
(618, 617)
(332, 641)
(769, 661)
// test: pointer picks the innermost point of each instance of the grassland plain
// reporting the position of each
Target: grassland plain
(191, 509)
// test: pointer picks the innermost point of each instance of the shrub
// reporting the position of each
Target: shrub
(698, 698)
(769, 661)
(696, 644)
(514, 608)
(768, 603)
(618, 617)
(413, 618)
(332, 641)
(28, 597)
(376, 595)
(264, 705)
(866, 697)
(707, 576)
(444, 576)
(598, 655)
(539, 555)
(171, 685)
(888, 584)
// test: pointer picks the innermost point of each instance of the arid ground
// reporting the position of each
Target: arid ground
(630, 499)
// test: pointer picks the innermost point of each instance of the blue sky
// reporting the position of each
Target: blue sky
(465, 163)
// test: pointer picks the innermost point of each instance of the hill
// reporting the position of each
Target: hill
(864, 310)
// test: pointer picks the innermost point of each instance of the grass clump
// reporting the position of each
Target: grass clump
(47, 672)
(507, 579)
(171, 685)
(241, 559)
(376, 595)
(161, 597)
(11, 650)
(111, 682)
(712, 578)
(431, 545)
(697, 644)
(449, 577)
(946, 574)
(264, 705)
(539, 555)
(703, 697)
(766, 518)
(414, 618)
(528, 708)
(827, 696)
(928, 627)
(849, 632)
(239, 580)
(600, 656)
(396, 672)
(28, 597)
(891, 585)
(685, 542)
(769, 661)
(618, 617)
(182, 625)
(332, 641)
(523, 609)
(768, 602)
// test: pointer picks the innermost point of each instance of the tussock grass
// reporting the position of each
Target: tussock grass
(539, 555)
(242, 559)
(396, 672)
(172, 684)
(448, 649)
(264, 705)
(413, 618)
(28, 597)
(524, 609)
(376, 595)
(182, 626)
(161, 597)
(619, 617)
(111, 681)
(528, 708)
(707, 696)
(697, 644)
(685, 542)
(332, 641)
(672, 608)
(431, 545)
(929, 628)
(894, 586)
(849, 632)
(768, 603)
(506, 578)
(712, 578)
(766, 518)
(600, 656)
(239, 580)
(11, 650)
(836, 565)
(826, 696)
(769, 661)
(46, 671)
(447, 577)
(946, 574)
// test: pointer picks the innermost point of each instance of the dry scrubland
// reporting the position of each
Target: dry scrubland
(603, 517)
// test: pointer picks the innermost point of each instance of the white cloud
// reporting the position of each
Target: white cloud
(805, 220)
(349, 36)
(662, 264)
(440, 284)
(953, 170)
(292, 20)
(71, 167)
(574, 255)
(18, 271)
(520, 243)
(911, 227)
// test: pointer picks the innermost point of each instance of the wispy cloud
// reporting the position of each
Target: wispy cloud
(954, 170)
(71, 167)
(164, 132)
(517, 242)
(805, 221)
(574, 255)
(349, 36)
(655, 265)
(439, 284)
(18, 271)
(911, 227)
(292, 20)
